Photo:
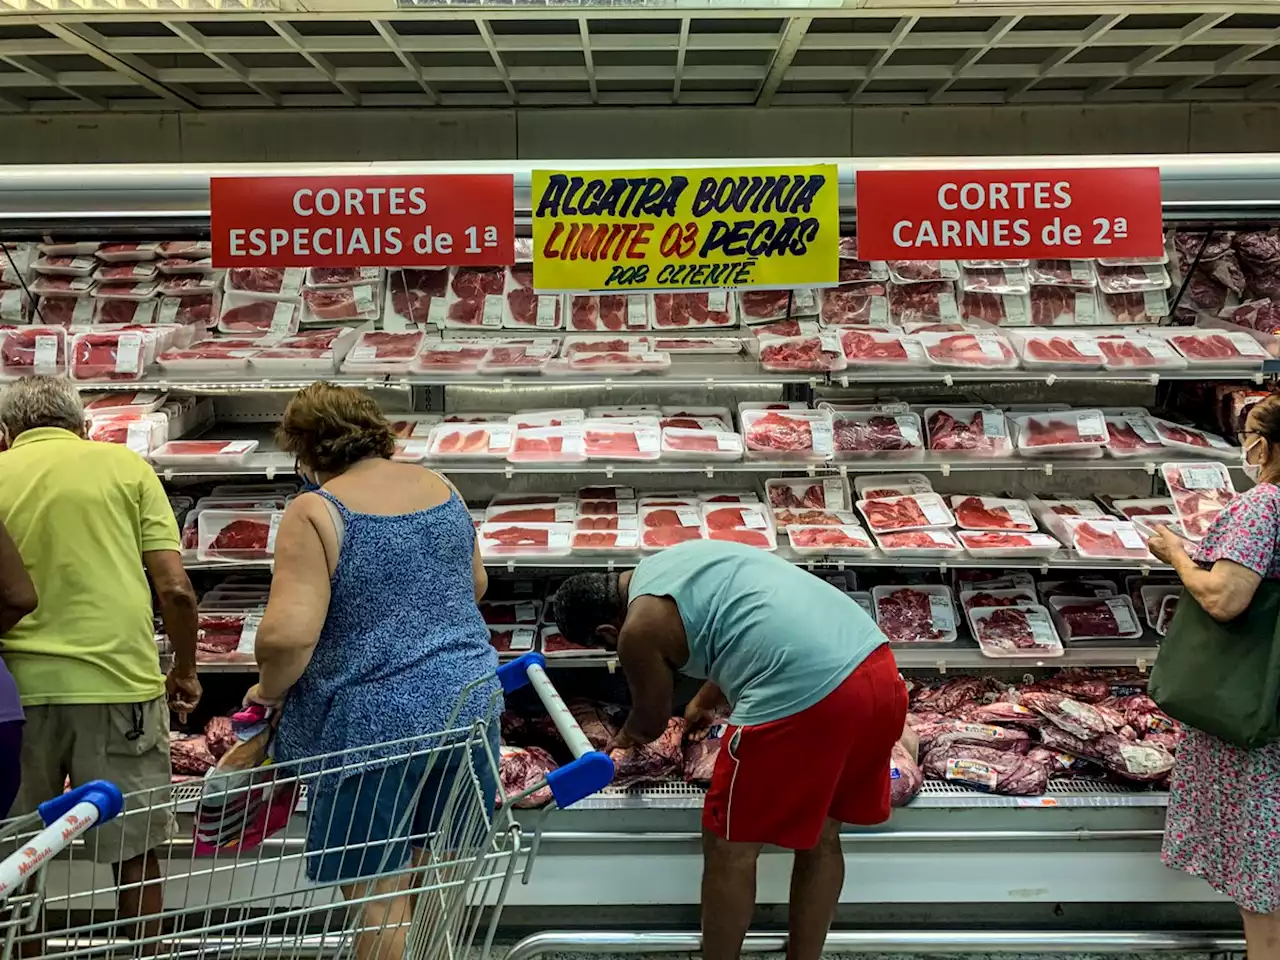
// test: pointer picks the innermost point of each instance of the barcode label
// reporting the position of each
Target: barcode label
(1156, 304)
(934, 512)
(236, 448)
(565, 511)
(437, 310)
(281, 320)
(1091, 426)
(492, 314)
(1086, 308)
(947, 307)
(1081, 271)
(138, 437)
(128, 353)
(546, 312)
(648, 440)
(249, 634)
(1041, 628)
(989, 347)
(717, 301)
(364, 301)
(500, 437)
(803, 302)
(291, 284)
(628, 523)
(558, 537)
(627, 507)
(272, 531)
(522, 639)
(830, 341)
(363, 354)
(688, 516)
(993, 424)
(526, 613)
(728, 442)
(940, 613)
(1013, 278)
(82, 313)
(46, 354)
(1015, 309)
(169, 310)
(1202, 478)
(1142, 427)
(832, 493)
(1129, 536)
(910, 430)
(879, 311)
(754, 520)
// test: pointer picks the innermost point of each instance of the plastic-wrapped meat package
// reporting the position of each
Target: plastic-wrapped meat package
(125, 291)
(180, 266)
(237, 534)
(747, 523)
(619, 364)
(1126, 352)
(125, 273)
(65, 266)
(611, 440)
(968, 350)
(524, 308)
(1185, 439)
(1200, 491)
(505, 358)
(699, 345)
(1063, 273)
(44, 286)
(860, 434)
(919, 271)
(341, 304)
(652, 762)
(1210, 348)
(665, 526)
(1072, 431)
(987, 770)
(1133, 308)
(218, 638)
(548, 445)
(416, 297)
(1132, 436)
(997, 280)
(863, 304)
(501, 539)
(40, 351)
(449, 356)
(383, 352)
(198, 310)
(108, 356)
(1015, 631)
(698, 444)
(187, 285)
(605, 541)
(709, 309)
(342, 276)
(918, 511)
(788, 517)
(1168, 607)
(801, 354)
(1054, 306)
(842, 539)
(905, 776)
(209, 356)
(609, 312)
(1264, 280)
(785, 328)
(875, 348)
(1007, 309)
(521, 769)
(1132, 279)
(110, 312)
(968, 431)
(574, 345)
(1107, 539)
(127, 252)
(829, 493)
(915, 614)
(1260, 315)
(853, 270)
(701, 749)
(561, 511)
(788, 435)
(992, 513)
(1073, 351)
(204, 452)
(503, 612)
(1002, 544)
(456, 441)
(1096, 618)
(763, 306)
(476, 298)
(257, 318)
(1187, 244)
(277, 282)
(923, 303)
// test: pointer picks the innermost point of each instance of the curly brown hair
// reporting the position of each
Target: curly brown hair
(329, 428)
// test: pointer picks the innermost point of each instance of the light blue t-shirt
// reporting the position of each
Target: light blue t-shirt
(775, 638)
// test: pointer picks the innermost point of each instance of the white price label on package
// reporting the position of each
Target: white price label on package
(717, 301)
(366, 305)
(546, 316)
(1156, 304)
(627, 507)
(940, 613)
(934, 512)
(1125, 621)
(628, 523)
(993, 425)
(823, 438)
(1091, 426)
(272, 530)
(45, 360)
(248, 634)
(128, 353)
(522, 639)
(169, 309)
(526, 612)
(1081, 271)
(235, 448)
(909, 427)
(648, 440)
(565, 511)
(989, 347)
(729, 442)
(830, 341)
(413, 449)
(291, 283)
(281, 320)
(500, 437)
(1086, 308)
(82, 313)
(1142, 427)
(833, 493)
(1015, 310)
(1129, 537)
(1014, 279)
(138, 437)
(637, 310)
(947, 311)
(1203, 478)
(492, 313)
(437, 310)
(558, 537)
(1042, 631)
(688, 516)
(754, 520)
(363, 354)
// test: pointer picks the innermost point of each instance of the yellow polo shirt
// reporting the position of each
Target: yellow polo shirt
(82, 514)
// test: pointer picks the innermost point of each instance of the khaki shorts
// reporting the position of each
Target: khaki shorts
(126, 743)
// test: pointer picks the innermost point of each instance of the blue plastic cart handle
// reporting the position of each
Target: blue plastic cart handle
(515, 674)
(589, 774)
(102, 794)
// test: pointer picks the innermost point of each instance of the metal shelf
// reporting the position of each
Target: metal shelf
(965, 655)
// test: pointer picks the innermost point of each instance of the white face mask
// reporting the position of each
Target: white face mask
(1251, 470)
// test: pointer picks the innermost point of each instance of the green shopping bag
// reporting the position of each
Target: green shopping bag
(1223, 678)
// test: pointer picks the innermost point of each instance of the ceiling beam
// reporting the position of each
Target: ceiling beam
(989, 40)
(584, 33)
(1222, 65)
(682, 48)
(1096, 29)
(788, 43)
(1196, 28)
(896, 37)
(392, 39)
(31, 68)
(486, 34)
(295, 40)
(225, 60)
(91, 43)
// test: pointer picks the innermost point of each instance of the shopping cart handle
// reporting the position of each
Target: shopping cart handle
(104, 796)
(590, 773)
(515, 674)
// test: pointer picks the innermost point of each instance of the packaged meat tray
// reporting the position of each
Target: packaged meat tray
(574, 345)
(1132, 278)
(501, 539)
(921, 271)
(511, 358)
(991, 513)
(342, 276)
(246, 317)
(499, 613)
(184, 266)
(237, 534)
(1130, 352)
(108, 356)
(524, 308)
(680, 443)
(1007, 545)
(915, 614)
(559, 511)
(44, 286)
(861, 304)
(1063, 273)
(439, 357)
(846, 539)
(606, 492)
(187, 285)
(828, 493)
(853, 269)
(123, 403)
(662, 527)
(127, 252)
(923, 303)
(683, 310)
(1104, 538)
(1055, 512)
(15, 306)
(727, 346)
(693, 417)
(745, 523)
(815, 354)
(124, 312)
(1069, 432)
(65, 266)
(612, 312)
(125, 291)
(619, 364)
(458, 441)
(383, 352)
(1039, 349)
(38, 351)
(612, 440)
(874, 348)
(280, 283)
(514, 640)
(415, 298)
(546, 418)
(203, 453)
(881, 485)
(998, 280)
(919, 511)
(1057, 306)
(763, 306)
(803, 435)
(1216, 348)
(860, 435)
(1200, 491)
(1132, 436)
(476, 298)
(341, 304)
(1153, 599)
(1132, 308)
(73, 248)
(979, 594)
(1097, 618)
(968, 431)
(1188, 440)
(986, 351)
(128, 273)
(1005, 309)
(208, 356)
(923, 544)
(548, 445)
(605, 542)
(1025, 630)
(1156, 509)
(201, 310)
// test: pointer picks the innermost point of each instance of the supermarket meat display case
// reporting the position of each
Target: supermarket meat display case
(1081, 856)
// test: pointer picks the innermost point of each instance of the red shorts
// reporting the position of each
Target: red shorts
(779, 782)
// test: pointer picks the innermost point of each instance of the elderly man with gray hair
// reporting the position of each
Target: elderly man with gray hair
(92, 522)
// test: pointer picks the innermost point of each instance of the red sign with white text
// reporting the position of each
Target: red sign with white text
(363, 221)
(1009, 214)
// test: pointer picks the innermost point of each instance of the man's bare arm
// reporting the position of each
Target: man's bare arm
(646, 649)
(17, 592)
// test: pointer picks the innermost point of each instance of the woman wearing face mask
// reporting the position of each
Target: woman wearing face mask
(370, 633)
(1224, 807)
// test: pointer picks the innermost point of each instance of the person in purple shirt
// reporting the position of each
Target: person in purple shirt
(17, 599)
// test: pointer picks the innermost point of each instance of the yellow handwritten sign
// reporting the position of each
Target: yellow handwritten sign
(673, 229)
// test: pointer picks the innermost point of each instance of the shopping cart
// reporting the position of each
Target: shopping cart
(394, 851)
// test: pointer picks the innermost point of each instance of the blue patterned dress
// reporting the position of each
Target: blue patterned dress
(1224, 806)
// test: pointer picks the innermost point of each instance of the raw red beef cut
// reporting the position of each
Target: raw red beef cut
(18, 354)
(824, 537)
(241, 536)
(220, 736)
(917, 269)
(1187, 243)
(653, 761)
(1260, 246)
(599, 722)
(606, 443)
(412, 291)
(475, 283)
(951, 733)
(853, 304)
(521, 768)
(1127, 307)
(775, 431)
(855, 271)
(949, 696)
(121, 311)
(1076, 717)
(522, 303)
(983, 768)
(1211, 347)
(1052, 433)
(779, 328)
(1123, 352)
(787, 516)
(256, 279)
(218, 636)
(186, 285)
(392, 346)
(251, 318)
(905, 776)
(982, 307)
(948, 433)
(970, 512)
(335, 276)
(667, 536)
(893, 514)
(190, 756)
(700, 753)
(452, 358)
(863, 346)
(910, 540)
(336, 304)
(96, 356)
(1052, 305)
(1098, 541)
(531, 448)
(704, 442)
(1090, 620)
(197, 309)
(750, 538)
(1003, 713)
(906, 616)
(683, 309)
(764, 304)
(806, 355)
(964, 349)
(1008, 628)
(918, 302)
(528, 514)
(518, 537)
(1058, 350)
(662, 518)
(554, 642)
(785, 496)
